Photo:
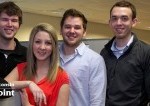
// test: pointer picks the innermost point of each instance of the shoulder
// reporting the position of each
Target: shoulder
(61, 71)
(21, 66)
(19, 46)
(62, 75)
(92, 54)
(143, 47)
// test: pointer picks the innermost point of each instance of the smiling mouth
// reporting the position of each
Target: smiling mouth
(119, 29)
(8, 31)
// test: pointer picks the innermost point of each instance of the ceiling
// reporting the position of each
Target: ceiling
(95, 10)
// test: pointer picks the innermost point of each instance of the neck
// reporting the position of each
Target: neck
(43, 64)
(7, 44)
(42, 69)
(122, 42)
(68, 50)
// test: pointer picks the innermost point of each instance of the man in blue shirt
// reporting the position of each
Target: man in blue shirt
(86, 68)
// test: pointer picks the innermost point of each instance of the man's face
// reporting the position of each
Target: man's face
(72, 31)
(9, 26)
(121, 22)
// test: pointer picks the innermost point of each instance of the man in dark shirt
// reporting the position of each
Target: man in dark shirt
(127, 60)
(11, 51)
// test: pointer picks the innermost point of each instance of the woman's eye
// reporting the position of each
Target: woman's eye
(48, 43)
(37, 42)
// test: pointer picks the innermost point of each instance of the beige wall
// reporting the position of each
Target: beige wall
(94, 30)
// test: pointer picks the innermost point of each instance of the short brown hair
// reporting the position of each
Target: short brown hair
(74, 13)
(127, 4)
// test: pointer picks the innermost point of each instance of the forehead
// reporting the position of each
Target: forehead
(42, 35)
(3, 14)
(121, 11)
(73, 20)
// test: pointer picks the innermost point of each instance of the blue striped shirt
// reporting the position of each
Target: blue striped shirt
(87, 74)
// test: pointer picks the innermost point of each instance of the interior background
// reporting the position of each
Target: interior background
(96, 11)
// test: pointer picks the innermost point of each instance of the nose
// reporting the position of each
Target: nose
(72, 30)
(119, 21)
(42, 46)
(9, 23)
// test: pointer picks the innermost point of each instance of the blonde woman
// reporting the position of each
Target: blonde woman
(42, 67)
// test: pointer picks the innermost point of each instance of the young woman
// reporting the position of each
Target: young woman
(42, 68)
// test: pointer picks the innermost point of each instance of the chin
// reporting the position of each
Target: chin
(41, 59)
(120, 37)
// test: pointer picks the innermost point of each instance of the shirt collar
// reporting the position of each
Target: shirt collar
(113, 47)
(80, 49)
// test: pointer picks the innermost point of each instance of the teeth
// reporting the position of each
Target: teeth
(119, 29)
(8, 31)
(41, 53)
(71, 36)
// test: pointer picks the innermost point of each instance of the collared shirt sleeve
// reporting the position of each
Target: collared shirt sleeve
(98, 82)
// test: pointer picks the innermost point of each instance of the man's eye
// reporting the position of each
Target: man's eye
(4, 19)
(77, 27)
(124, 18)
(14, 20)
(114, 18)
(67, 27)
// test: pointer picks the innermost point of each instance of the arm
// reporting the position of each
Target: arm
(98, 81)
(14, 80)
(146, 68)
(24, 98)
(63, 96)
(38, 94)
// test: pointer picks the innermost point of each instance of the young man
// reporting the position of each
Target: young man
(127, 60)
(86, 68)
(11, 52)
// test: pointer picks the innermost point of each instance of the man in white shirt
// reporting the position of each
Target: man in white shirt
(86, 68)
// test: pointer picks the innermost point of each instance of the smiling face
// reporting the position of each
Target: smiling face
(121, 22)
(72, 31)
(9, 26)
(42, 46)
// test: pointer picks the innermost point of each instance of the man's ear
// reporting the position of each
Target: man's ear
(84, 34)
(135, 20)
(109, 23)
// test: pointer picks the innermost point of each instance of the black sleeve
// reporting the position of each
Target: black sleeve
(147, 74)
(5, 89)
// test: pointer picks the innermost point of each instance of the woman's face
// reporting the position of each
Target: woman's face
(42, 46)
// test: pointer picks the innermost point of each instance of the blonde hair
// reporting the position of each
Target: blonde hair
(30, 70)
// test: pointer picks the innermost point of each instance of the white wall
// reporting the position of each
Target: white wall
(94, 30)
